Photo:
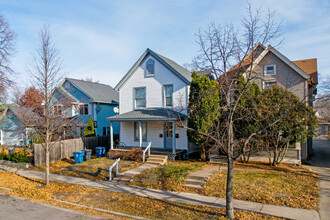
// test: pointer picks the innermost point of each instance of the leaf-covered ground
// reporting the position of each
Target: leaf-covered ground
(95, 169)
(298, 189)
(119, 202)
(169, 177)
(284, 185)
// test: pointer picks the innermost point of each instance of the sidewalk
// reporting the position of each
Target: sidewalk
(321, 163)
(184, 197)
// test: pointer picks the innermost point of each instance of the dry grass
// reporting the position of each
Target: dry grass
(119, 202)
(266, 166)
(284, 188)
(95, 169)
(282, 185)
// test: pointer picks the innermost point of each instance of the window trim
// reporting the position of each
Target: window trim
(270, 74)
(265, 82)
(164, 96)
(56, 106)
(83, 104)
(134, 103)
(136, 126)
(148, 74)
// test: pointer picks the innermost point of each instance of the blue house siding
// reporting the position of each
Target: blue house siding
(72, 90)
(106, 110)
(12, 132)
(99, 111)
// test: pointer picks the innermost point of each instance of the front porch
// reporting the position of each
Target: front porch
(156, 125)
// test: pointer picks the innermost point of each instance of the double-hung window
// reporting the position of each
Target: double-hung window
(144, 131)
(150, 66)
(58, 109)
(106, 131)
(83, 109)
(269, 85)
(168, 95)
(140, 97)
(270, 69)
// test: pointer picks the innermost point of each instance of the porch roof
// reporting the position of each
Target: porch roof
(150, 114)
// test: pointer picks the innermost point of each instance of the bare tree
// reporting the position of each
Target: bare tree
(7, 37)
(17, 94)
(220, 47)
(46, 74)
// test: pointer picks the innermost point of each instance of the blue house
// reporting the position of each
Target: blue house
(13, 130)
(82, 99)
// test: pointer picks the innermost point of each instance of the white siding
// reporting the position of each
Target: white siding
(154, 129)
(154, 87)
(181, 142)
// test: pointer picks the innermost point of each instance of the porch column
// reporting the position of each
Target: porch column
(140, 134)
(111, 136)
(173, 137)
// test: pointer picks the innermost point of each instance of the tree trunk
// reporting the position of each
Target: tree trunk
(47, 160)
(203, 153)
(229, 189)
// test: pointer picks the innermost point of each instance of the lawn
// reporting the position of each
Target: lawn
(293, 189)
(95, 169)
(168, 177)
(119, 202)
(284, 185)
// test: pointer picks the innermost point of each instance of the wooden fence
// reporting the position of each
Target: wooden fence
(64, 149)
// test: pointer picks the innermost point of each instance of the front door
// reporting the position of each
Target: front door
(168, 135)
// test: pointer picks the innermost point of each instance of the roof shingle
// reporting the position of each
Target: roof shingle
(97, 91)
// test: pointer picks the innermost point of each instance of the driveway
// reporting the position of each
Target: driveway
(12, 208)
(321, 163)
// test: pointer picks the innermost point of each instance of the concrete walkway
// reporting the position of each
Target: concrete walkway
(184, 197)
(321, 164)
(128, 175)
(199, 178)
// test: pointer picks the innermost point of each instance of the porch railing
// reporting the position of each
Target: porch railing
(144, 152)
(111, 167)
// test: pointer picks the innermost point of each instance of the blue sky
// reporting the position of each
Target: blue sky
(103, 38)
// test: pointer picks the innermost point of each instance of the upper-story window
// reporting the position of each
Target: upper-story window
(58, 109)
(83, 109)
(269, 85)
(150, 66)
(168, 95)
(140, 97)
(270, 69)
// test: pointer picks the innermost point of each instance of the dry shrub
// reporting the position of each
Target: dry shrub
(134, 155)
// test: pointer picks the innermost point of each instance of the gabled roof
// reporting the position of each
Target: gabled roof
(245, 63)
(175, 68)
(66, 94)
(25, 115)
(281, 57)
(96, 91)
(309, 66)
(149, 114)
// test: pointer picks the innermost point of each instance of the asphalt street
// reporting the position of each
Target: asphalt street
(13, 208)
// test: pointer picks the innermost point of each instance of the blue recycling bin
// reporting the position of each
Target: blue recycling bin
(77, 157)
(82, 154)
(98, 151)
(103, 151)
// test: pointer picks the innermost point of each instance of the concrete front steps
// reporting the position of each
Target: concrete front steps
(218, 159)
(128, 175)
(157, 159)
(198, 179)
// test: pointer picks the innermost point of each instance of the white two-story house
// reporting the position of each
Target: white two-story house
(153, 101)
